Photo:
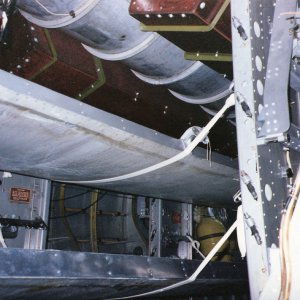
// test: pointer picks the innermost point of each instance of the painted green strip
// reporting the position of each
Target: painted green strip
(208, 56)
(97, 84)
(53, 54)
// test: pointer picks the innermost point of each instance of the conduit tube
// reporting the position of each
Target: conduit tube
(108, 31)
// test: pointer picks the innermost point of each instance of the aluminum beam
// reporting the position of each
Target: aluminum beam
(262, 46)
(29, 274)
(46, 134)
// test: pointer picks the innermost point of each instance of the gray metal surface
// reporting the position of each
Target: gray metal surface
(261, 75)
(108, 31)
(170, 223)
(272, 158)
(274, 116)
(36, 207)
(32, 274)
(247, 148)
(45, 134)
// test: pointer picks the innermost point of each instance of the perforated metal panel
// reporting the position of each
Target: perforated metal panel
(262, 67)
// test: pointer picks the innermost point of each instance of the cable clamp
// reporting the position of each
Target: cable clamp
(247, 181)
(190, 134)
(244, 105)
(239, 27)
(251, 224)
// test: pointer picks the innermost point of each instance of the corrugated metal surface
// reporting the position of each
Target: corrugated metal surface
(46, 134)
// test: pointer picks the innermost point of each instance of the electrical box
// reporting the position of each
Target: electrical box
(24, 208)
(170, 223)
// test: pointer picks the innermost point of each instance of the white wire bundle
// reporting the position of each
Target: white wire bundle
(286, 264)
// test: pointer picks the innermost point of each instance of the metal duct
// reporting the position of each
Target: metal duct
(108, 31)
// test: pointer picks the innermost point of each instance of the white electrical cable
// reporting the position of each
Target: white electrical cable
(199, 138)
(194, 276)
(196, 245)
(2, 242)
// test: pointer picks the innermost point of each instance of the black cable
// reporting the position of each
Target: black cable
(81, 194)
(72, 197)
(81, 211)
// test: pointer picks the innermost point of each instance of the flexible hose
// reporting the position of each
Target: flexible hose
(286, 273)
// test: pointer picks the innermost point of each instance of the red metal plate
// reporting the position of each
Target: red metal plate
(175, 12)
(20, 195)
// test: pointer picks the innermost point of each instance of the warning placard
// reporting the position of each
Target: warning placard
(20, 195)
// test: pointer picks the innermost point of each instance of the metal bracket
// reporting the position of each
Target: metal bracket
(271, 138)
(274, 117)
(224, 57)
(293, 138)
(190, 134)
